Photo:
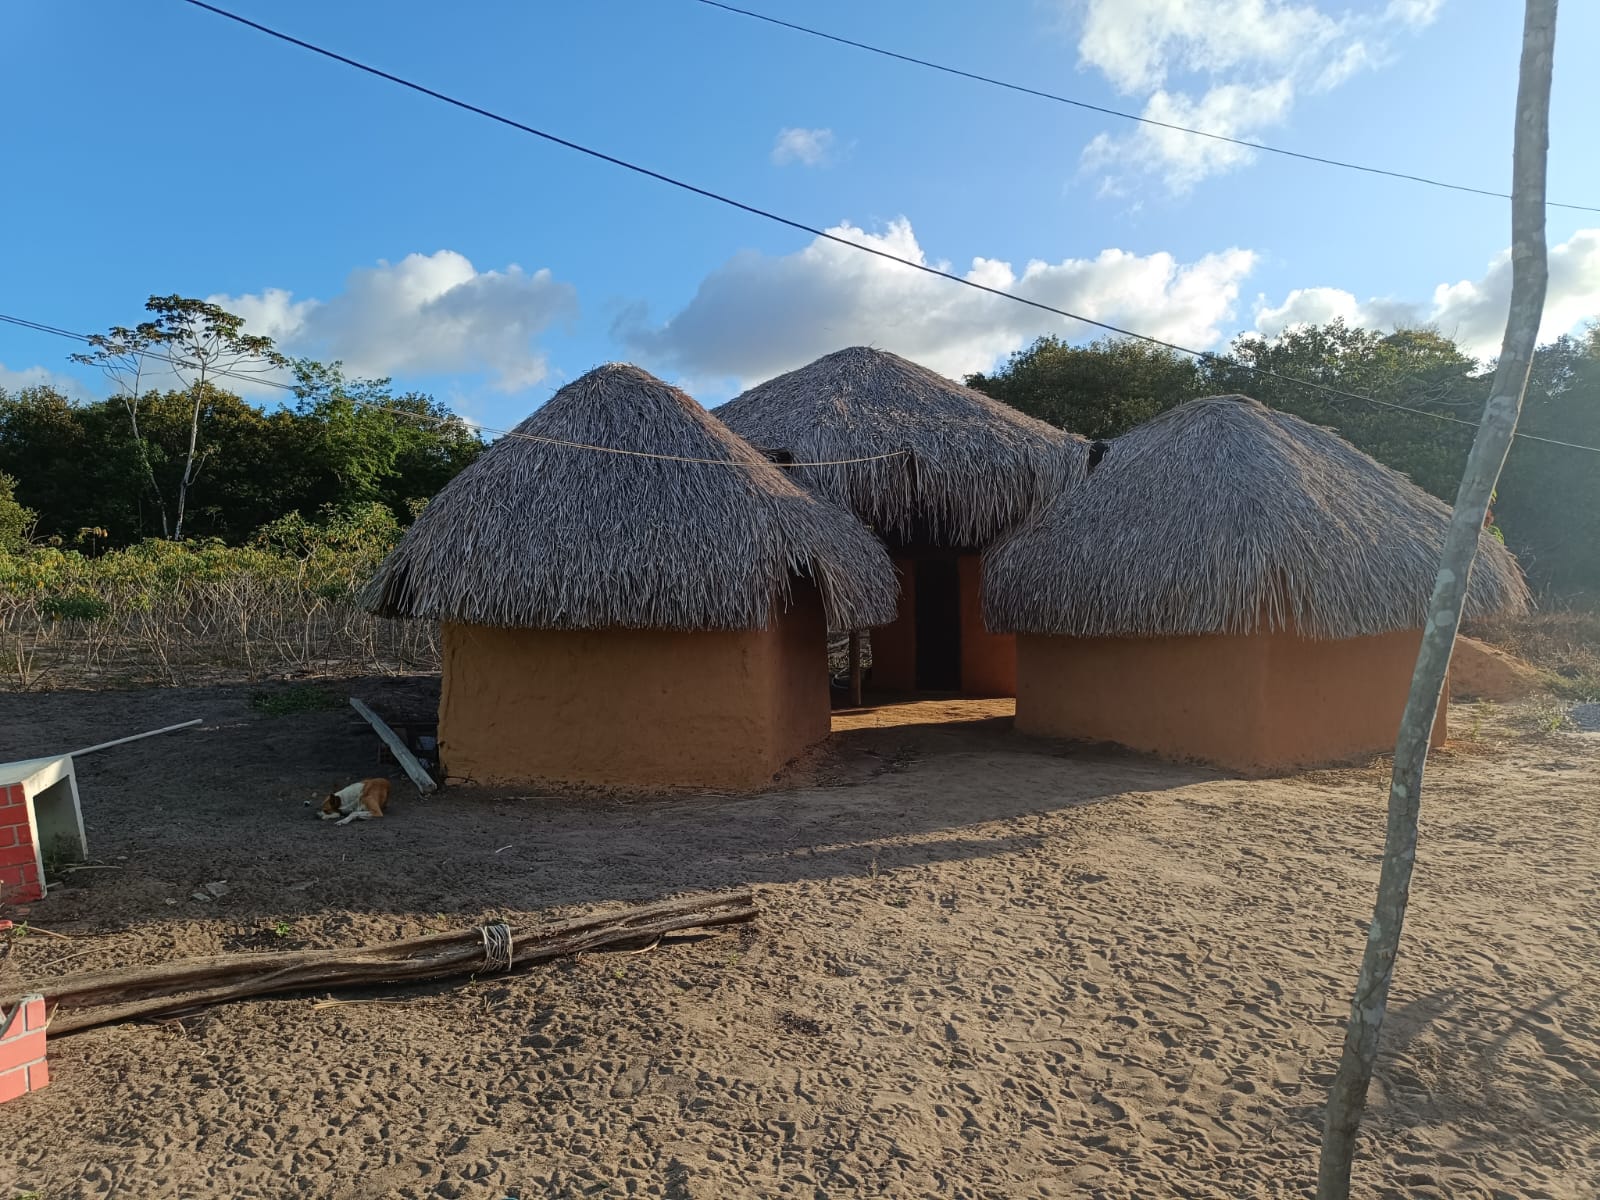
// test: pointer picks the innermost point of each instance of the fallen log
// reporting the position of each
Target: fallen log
(85, 1001)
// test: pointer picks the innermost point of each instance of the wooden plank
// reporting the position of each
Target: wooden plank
(135, 737)
(402, 753)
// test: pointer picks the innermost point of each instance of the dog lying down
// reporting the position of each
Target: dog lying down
(361, 801)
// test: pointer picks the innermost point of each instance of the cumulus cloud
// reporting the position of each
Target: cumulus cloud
(808, 147)
(25, 377)
(426, 314)
(757, 315)
(1232, 67)
(1472, 311)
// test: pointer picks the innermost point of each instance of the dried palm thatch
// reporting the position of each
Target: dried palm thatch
(1223, 516)
(975, 467)
(535, 535)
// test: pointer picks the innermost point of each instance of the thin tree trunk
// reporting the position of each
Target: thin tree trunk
(188, 462)
(1528, 278)
(132, 405)
(855, 668)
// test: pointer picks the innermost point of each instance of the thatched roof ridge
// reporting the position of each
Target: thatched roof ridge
(975, 468)
(1224, 516)
(556, 537)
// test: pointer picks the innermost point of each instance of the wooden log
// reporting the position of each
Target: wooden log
(855, 668)
(103, 987)
(402, 753)
(358, 969)
(89, 989)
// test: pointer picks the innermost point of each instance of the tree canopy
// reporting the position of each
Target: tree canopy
(340, 443)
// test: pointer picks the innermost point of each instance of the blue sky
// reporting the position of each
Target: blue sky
(157, 148)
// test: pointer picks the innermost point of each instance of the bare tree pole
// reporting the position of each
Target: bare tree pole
(199, 340)
(1528, 277)
(121, 355)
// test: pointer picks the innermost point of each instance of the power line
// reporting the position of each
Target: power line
(565, 443)
(1125, 116)
(812, 229)
(400, 412)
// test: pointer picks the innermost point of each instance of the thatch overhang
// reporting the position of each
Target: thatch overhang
(1224, 516)
(538, 534)
(969, 468)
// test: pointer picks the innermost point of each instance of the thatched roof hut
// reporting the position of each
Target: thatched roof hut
(1222, 516)
(683, 527)
(972, 468)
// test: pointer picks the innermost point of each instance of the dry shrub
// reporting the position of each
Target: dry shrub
(1562, 638)
(184, 612)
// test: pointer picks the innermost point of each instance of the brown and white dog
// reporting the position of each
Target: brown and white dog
(360, 801)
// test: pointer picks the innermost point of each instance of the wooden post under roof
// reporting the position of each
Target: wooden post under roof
(855, 668)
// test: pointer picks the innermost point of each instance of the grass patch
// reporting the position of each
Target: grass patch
(300, 698)
(1563, 640)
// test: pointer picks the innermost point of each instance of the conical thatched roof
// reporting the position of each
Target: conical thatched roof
(975, 468)
(557, 537)
(1223, 516)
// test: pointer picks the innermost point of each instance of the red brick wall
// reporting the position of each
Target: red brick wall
(19, 862)
(22, 1064)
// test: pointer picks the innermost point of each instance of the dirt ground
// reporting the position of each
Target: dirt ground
(984, 967)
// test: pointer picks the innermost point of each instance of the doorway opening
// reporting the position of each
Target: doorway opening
(938, 630)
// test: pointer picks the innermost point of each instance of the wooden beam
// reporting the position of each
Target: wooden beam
(135, 737)
(391, 739)
(855, 668)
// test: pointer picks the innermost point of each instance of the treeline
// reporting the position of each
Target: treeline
(91, 484)
(198, 462)
(1547, 506)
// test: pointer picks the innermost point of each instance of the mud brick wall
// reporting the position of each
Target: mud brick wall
(22, 1065)
(19, 861)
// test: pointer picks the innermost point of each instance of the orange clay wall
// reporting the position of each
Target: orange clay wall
(988, 660)
(1259, 703)
(894, 647)
(634, 708)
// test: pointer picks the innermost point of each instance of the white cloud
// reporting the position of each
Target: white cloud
(1232, 67)
(1136, 44)
(36, 376)
(426, 314)
(808, 147)
(1182, 158)
(756, 315)
(1472, 311)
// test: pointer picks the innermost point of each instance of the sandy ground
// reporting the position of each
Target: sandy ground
(984, 967)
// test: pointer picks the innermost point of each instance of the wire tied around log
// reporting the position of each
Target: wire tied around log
(496, 946)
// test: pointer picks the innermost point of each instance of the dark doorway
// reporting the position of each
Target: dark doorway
(938, 592)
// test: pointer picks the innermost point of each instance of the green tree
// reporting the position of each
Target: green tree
(73, 464)
(1548, 501)
(362, 443)
(1099, 390)
(1413, 368)
(15, 521)
(125, 357)
(202, 342)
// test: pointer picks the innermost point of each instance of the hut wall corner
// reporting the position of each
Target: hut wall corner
(988, 660)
